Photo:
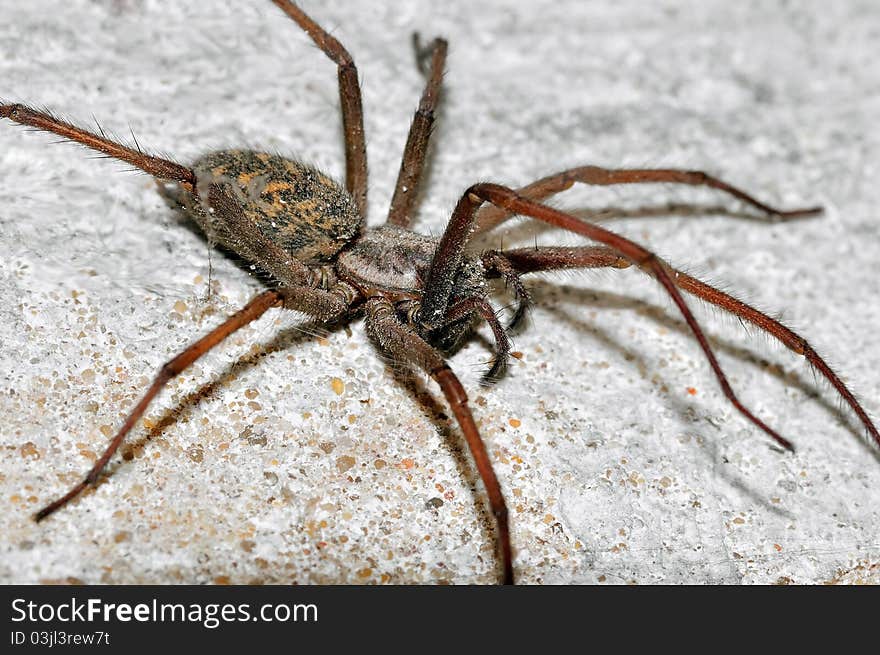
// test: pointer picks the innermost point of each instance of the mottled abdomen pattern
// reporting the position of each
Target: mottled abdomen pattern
(293, 205)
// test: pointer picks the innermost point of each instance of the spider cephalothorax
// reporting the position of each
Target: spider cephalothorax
(394, 262)
(420, 295)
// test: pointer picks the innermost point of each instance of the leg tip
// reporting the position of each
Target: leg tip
(799, 213)
(43, 513)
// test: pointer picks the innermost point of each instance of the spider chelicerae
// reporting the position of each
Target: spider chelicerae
(420, 295)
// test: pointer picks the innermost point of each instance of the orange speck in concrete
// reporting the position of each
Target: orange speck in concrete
(344, 463)
(29, 449)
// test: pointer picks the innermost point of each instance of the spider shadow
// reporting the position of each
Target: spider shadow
(436, 413)
(604, 300)
(520, 230)
(526, 229)
(429, 407)
(283, 340)
(687, 411)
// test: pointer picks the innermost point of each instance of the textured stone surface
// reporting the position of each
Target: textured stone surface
(294, 456)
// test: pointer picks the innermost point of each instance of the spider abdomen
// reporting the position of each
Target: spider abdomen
(293, 205)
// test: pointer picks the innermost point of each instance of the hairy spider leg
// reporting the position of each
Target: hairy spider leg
(528, 260)
(416, 150)
(509, 265)
(155, 166)
(325, 305)
(484, 309)
(250, 312)
(402, 342)
(349, 100)
(450, 251)
(492, 216)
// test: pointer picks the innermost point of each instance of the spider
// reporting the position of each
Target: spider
(421, 296)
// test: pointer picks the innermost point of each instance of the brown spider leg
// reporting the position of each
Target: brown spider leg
(792, 341)
(416, 150)
(406, 346)
(497, 266)
(250, 312)
(249, 242)
(155, 166)
(422, 53)
(451, 248)
(491, 217)
(502, 342)
(528, 260)
(554, 258)
(349, 100)
(511, 264)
